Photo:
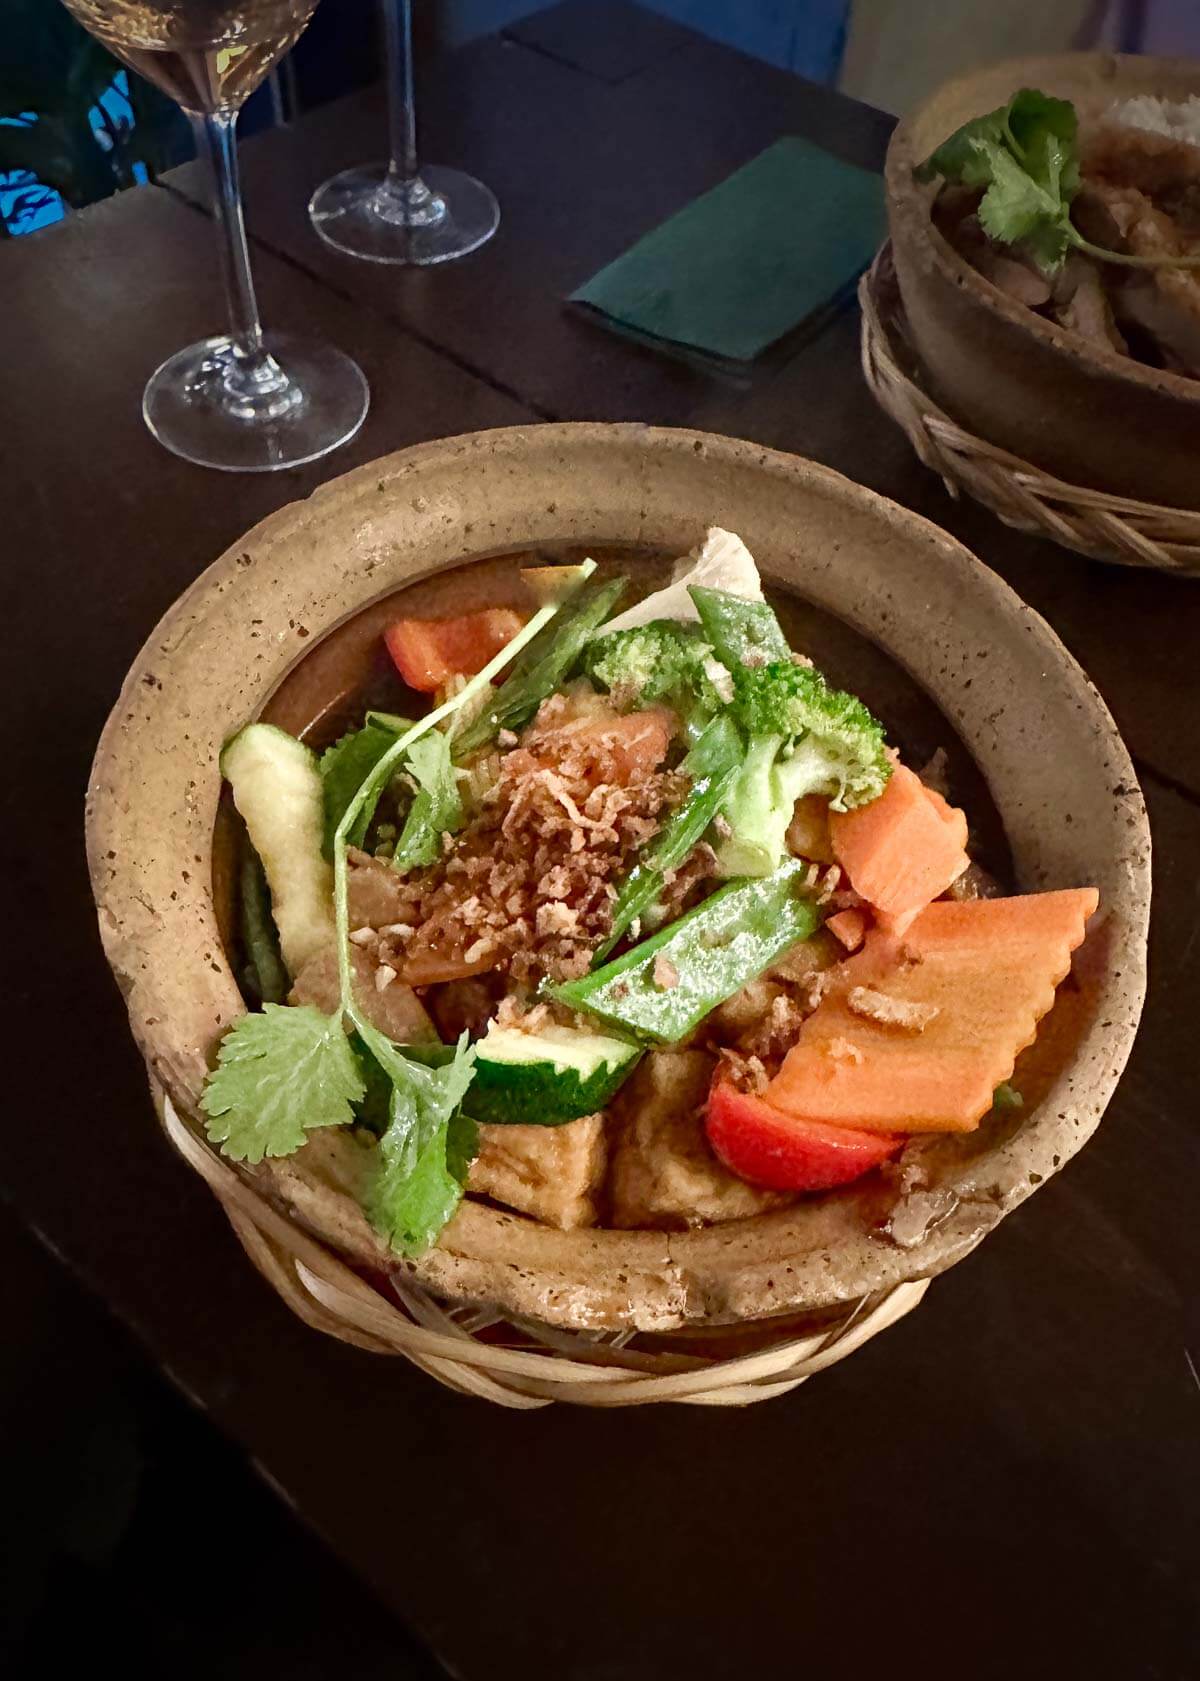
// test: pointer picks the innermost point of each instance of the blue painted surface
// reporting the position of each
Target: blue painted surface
(804, 36)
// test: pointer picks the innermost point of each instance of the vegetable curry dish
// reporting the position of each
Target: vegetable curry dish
(636, 922)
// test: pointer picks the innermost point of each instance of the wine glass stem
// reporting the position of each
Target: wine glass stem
(253, 374)
(402, 110)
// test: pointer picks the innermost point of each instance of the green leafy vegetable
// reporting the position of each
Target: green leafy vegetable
(260, 937)
(1026, 155)
(288, 1069)
(426, 1151)
(344, 767)
(437, 806)
(712, 764)
(427, 1144)
(665, 986)
(279, 1074)
(1007, 1096)
(544, 663)
(741, 632)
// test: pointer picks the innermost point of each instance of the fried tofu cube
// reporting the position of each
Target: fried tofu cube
(664, 1174)
(551, 1173)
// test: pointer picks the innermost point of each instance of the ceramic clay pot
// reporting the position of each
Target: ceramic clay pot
(1087, 414)
(1037, 731)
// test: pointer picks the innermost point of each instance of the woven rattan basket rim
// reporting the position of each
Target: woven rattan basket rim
(532, 1365)
(1090, 522)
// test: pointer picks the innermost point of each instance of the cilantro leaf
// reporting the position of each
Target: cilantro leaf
(344, 767)
(960, 158)
(1014, 203)
(426, 1151)
(437, 807)
(279, 1074)
(1026, 155)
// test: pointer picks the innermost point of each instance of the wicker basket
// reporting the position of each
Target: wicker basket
(520, 1363)
(1091, 522)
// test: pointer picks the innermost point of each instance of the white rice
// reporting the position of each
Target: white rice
(1178, 119)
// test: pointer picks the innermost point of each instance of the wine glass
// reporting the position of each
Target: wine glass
(398, 212)
(246, 401)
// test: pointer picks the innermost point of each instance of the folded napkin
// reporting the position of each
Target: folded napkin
(736, 269)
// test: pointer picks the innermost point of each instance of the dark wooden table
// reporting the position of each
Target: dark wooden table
(1007, 1483)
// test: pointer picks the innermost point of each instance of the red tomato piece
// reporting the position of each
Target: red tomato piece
(782, 1152)
(428, 652)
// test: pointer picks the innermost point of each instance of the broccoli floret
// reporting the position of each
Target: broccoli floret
(662, 660)
(804, 738)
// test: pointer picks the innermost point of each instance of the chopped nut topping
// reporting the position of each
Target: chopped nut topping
(362, 936)
(666, 975)
(507, 738)
(888, 1011)
(830, 882)
(384, 976)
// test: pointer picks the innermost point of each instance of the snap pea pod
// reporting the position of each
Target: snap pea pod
(542, 668)
(741, 632)
(665, 986)
(712, 764)
(259, 935)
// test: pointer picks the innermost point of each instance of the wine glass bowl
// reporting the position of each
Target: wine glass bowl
(243, 401)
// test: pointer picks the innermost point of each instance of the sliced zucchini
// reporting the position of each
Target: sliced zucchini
(546, 1078)
(277, 788)
(722, 562)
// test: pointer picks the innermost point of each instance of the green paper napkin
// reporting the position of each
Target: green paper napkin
(752, 259)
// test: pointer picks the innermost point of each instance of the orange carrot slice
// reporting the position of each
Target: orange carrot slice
(988, 967)
(850, 927)
(902, 850)
(428, 652)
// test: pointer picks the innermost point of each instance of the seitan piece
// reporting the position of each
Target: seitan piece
(551, 1173)
(664, 1175)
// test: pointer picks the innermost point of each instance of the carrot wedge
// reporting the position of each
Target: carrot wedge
(428, 652)
(850, 927)
(902, 850)
(981, 975)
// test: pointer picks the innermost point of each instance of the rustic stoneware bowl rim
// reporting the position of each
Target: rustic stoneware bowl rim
(155, 786)
(911, 202)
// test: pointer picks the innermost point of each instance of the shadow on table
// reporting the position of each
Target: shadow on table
(134, 1531)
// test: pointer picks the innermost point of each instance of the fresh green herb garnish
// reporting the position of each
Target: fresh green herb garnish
(437, 805)
(1007, 1096)
(544, 664)
(344, 767)
(712, 765)
(279, 1074)
(1026, 155)
(425, 1153)
(428, 1143)
(286, 1070)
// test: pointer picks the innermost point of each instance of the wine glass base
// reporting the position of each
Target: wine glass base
(194, 409)
(363, 212)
